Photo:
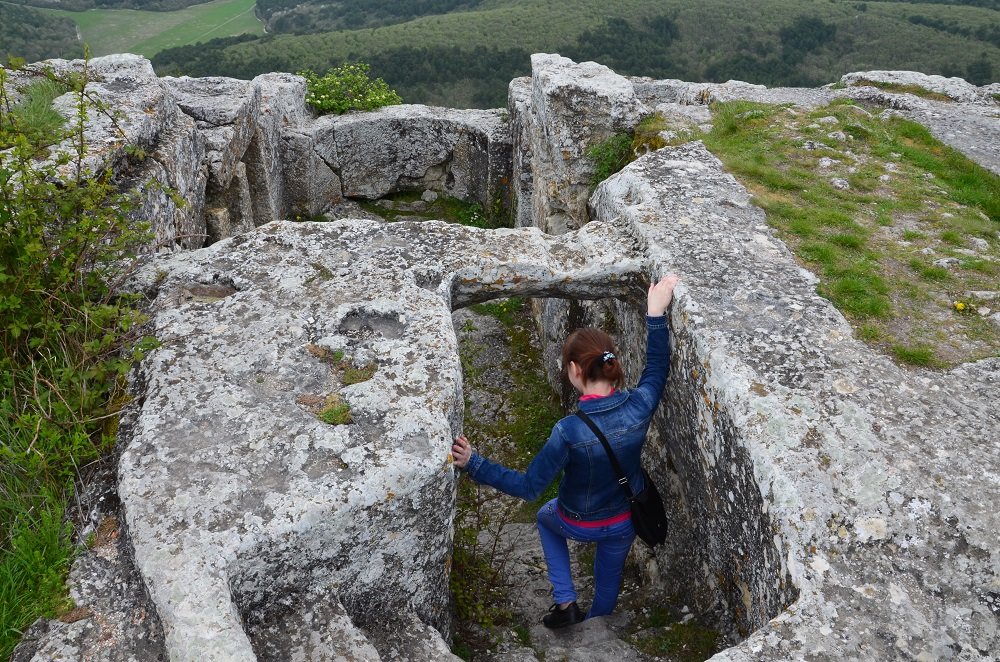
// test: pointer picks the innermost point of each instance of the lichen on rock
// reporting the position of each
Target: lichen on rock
(826, 501)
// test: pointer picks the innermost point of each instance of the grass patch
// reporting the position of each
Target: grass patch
(679, 642)
(335, 411)
(33, 117)
(899, 88)
(918, 355)
(871, 333)
(850, 241)
(408, 205)
(952, 237)
(859, 294)
(352, 375)
(929, 271)
(864, 270)
(609, 156)
(982, 266)
(965, 181)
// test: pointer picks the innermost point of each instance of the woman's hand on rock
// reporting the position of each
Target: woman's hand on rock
(660, 295)
(461, 451)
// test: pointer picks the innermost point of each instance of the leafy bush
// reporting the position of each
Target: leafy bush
(65, 333)
(345, 88)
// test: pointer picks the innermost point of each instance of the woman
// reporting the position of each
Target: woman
(591, 506)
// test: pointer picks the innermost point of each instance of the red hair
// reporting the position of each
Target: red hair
(595, 353)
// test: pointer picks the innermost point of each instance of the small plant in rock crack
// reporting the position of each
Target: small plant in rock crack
(337, 359)
(352, 375)
(479, 573)
(335, 411)
(609, 156)
(481, 579)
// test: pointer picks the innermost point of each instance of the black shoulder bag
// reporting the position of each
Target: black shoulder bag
(648, 517)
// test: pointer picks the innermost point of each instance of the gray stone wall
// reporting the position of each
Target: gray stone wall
(826, 502)
(787, 447)
(224, 156)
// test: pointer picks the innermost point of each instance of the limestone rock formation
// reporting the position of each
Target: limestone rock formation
(282, 504)
(561, 99)
(820, 481)
(243, 153)
(809, 472)
(285, 486)
(954, 88)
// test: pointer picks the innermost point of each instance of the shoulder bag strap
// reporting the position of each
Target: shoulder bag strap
(622, 478)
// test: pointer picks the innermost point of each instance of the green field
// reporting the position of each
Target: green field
(149, 32)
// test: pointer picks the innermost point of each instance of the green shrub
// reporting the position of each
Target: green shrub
(67, 339)
(345, 88)
(473, 216)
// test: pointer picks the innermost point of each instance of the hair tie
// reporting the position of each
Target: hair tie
(607, 356)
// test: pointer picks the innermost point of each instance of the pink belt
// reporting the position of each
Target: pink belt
(591, 524)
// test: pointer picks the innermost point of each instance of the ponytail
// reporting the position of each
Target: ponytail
(595, 353)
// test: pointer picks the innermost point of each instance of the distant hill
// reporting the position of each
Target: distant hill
(83, 5)
(34, 35)
(466, 58)
(311, 16)
(307, 16)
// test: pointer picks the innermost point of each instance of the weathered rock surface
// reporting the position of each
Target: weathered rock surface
(954, 88)
(250, 510)
(807, 464)
(832, 504)
(971, 129)
(253, 152)
(457, 152)
(113, 620)
(575, 107)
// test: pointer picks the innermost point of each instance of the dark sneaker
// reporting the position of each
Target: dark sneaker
(560, 618)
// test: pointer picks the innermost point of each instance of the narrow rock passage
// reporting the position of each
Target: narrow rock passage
(499, 585)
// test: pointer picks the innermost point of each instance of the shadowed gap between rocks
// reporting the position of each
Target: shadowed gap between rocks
(721, 570)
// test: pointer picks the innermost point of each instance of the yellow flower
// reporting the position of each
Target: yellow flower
(959, 306)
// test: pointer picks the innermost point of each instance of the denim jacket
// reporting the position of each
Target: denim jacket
(589, 489)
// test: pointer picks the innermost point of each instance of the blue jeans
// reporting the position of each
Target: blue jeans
(613, 544)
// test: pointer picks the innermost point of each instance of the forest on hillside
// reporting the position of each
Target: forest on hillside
(301, 17)
(83, 5)
(33, 35)
(467, 58)
(465, 52)
(309, 16)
